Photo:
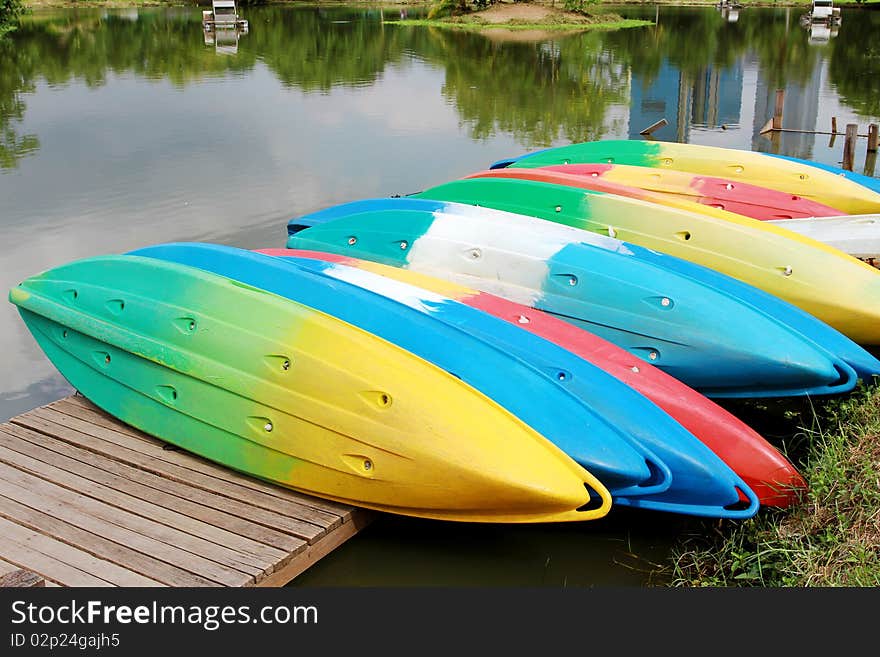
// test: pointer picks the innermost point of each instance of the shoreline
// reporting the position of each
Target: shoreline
(122, 4)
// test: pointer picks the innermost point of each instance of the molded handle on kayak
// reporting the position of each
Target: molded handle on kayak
(301, 223)
(660, 481)
(501, 164)
(848, 380)
(734, 511)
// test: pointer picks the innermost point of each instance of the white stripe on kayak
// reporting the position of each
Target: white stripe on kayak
(501, 253)
(415, 297)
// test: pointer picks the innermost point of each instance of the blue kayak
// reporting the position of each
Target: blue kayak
(686, 476)
(655, 306)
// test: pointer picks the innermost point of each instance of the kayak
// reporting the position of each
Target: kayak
(277, 390)
(838, 289)
(695, 481)
(865, 181)
(764, 469)
(855, 235)
(785, 175)
(623, 293)
(749, 200)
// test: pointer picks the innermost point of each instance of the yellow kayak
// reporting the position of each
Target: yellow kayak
(283, 392)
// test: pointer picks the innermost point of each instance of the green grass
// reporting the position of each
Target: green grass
(831, 539)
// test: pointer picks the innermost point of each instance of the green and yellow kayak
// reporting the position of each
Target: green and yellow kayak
(273, 388)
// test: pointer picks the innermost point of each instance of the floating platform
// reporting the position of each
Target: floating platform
(88, 501)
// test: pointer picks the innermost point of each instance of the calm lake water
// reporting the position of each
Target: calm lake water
(124, 128)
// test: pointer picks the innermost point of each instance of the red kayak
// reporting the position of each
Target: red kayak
(768, 473)
(674, 188)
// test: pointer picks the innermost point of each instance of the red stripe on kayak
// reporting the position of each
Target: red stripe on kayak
(733, 196)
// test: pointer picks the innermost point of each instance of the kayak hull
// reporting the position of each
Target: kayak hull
(276, 390)
(838, 289)
(621, 292)
(666, 185)
(785, 175)
(517, 373)
(771, 476)
(855, 235)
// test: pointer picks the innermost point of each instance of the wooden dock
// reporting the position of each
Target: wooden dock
(88, 501)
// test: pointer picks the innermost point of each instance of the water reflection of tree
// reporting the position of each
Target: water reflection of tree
(691, 40)
(15, 80)
(783, 49)
(536, 91)
(854, 67)
(305, 48)
(539, 91)
(88, 46)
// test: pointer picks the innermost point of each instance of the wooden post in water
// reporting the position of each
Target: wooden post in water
(849, 146)
(833, 132)
(873, 138)
(870, 163)
(871, 155)
(777, 113)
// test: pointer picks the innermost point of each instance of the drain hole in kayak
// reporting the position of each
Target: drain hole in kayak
(594, 503)
(656, 477)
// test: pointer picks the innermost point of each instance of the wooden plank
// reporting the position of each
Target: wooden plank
(260, 493)
(93, 516)
(241, 550)
(19, 577)
(35, 542)
(321, 548)
(6, 568)
(196, 502)
(100, 546)
(216, 559)
(46, 566)
(651, 129)
(117, 447)
(78, 406)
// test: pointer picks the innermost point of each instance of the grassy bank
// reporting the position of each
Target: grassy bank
(474, 23)
(831, 539)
